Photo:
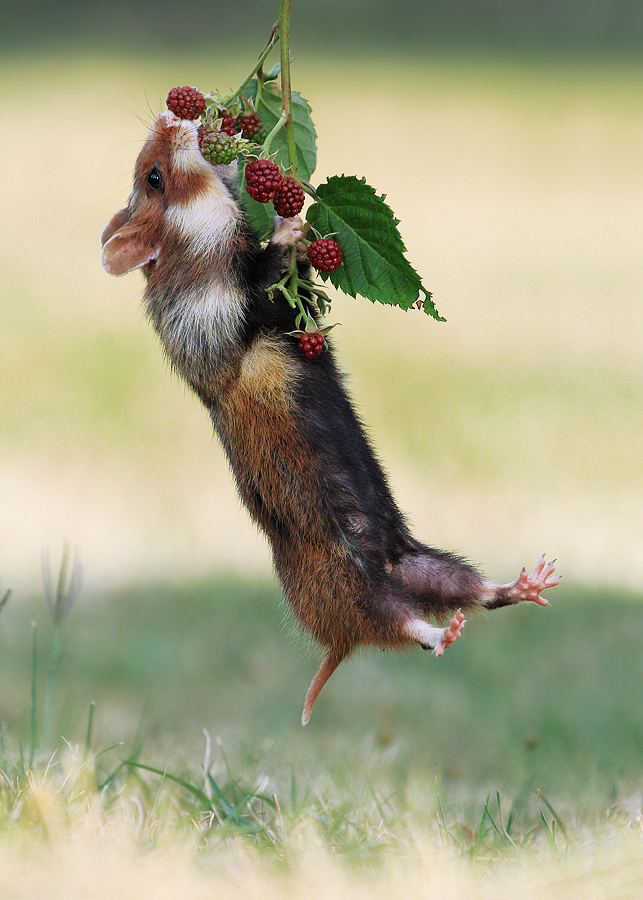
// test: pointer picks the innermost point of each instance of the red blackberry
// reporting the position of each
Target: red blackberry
(186, 102)
(249, 124)
(289, 199)
(325, 255)
(263, 179)
(260, 136)
(228, 126)
(217, 146)
(311, 345)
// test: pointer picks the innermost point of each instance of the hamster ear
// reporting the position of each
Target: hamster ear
(117, 221)
(125, 250)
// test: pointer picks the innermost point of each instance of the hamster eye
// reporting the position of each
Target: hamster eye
(154, 180)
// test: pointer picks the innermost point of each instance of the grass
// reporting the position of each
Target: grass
(517, 754)
(531, 700)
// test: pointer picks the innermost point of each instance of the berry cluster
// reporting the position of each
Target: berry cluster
(265, 182)
(189, 103)
(250, 124)
(227, 125)
(311, 345)
(325, 255)
(186, 102)
(217, 147)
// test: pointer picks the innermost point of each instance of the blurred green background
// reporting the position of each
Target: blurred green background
(508, 139)
(578, 26)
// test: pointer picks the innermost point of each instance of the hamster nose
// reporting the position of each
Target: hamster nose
(169, 119)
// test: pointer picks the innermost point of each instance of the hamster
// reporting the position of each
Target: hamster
(351, 570)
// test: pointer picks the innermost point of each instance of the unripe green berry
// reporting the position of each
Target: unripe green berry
(217, 146)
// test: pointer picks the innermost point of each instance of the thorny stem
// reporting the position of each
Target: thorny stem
(290, 281)
(286, 90)
(272, 40)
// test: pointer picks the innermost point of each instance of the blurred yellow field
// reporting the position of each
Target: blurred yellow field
(129, 857)
(516, 427)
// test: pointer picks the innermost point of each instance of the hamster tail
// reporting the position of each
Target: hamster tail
(330, 663)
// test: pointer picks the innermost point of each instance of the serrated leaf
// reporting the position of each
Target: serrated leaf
(268, 107)
(260, 216)
(373, 264)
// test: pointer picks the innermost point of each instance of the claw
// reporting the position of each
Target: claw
(528, 587)
(451, 634)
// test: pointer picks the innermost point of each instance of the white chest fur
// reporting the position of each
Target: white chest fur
(199, 326)
(207, 221)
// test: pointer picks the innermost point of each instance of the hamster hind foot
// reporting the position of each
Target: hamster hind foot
(526, 588)
(430, 637)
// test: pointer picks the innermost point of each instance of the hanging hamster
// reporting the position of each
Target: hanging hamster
(351, 570)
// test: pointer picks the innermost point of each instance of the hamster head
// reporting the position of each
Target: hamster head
(179, 200)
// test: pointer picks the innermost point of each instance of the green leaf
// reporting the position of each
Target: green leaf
(373, 260)
(268, 107)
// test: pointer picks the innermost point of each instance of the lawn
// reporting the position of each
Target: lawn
(521, 746)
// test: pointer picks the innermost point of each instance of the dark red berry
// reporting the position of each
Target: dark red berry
(217, 146)
(289, 199)
(263, 179)
(311, 345)
(325, 255)
(186, 102)
(260, 136)
(249, 124)
(228, 126)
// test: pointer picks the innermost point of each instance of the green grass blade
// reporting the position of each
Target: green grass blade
(195, 791)
(556, 818)
(90, 725)
(34, 677)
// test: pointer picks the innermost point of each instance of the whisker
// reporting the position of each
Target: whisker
(143, 110)
(124, 144)
(128, 175)
(149, 105)
(131, 112)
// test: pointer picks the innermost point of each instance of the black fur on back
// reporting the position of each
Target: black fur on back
(354, 490)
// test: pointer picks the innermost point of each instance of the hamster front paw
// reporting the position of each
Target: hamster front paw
(287, 231)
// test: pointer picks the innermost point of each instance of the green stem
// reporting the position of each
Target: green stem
(286, 90)
(309, 189)
(289, 287)
(281, 122)
(272, 40)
